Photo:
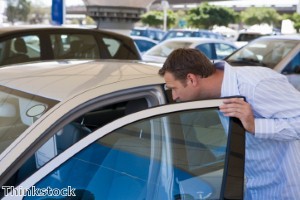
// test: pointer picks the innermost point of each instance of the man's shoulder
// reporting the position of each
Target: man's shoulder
(255, 75)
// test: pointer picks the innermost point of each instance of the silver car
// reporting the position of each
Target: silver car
(108, 130)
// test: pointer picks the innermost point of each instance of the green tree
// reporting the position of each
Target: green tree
(156, 18)
(253, 15)
(17, 10)
(205, 16)
(296, 19)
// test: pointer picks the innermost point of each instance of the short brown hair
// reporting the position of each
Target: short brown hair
(187, 60)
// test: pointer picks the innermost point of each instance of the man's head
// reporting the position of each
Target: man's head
(184, 72)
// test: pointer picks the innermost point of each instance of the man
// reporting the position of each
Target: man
(270, 116)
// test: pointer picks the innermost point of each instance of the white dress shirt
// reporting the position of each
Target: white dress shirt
(272, 166)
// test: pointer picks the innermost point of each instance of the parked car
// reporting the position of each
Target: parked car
(281, 53)
(144, 43)
(244, 37)
(212, 48)
(174, 33)
(108, 130)
(32, 43)
(152, 33)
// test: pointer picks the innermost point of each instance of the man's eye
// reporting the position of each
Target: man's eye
(166, 88)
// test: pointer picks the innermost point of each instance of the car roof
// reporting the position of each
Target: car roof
(285, 37)
(147, 28)
(196, 39)
(32, 28)
(134, 37)
(60, 80)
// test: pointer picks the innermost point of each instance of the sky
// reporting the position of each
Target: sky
(80, 2)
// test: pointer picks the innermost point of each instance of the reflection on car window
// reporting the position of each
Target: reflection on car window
(183, 151)
(74, 46)
(18, 110)
(20, 49)
(264, 52)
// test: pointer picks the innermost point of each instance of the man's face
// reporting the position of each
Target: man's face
(181, 90)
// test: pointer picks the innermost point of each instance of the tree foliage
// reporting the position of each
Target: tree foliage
(156, 18)
(206, 16)
(295, 17)
(17, 10)
(253, 15)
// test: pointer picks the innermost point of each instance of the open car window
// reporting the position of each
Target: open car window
(191, 149)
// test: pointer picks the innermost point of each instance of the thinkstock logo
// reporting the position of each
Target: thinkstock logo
(41, 192)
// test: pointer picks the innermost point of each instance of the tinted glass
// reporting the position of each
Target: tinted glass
(206, 49)
(74, 46)
(20, 49)
(184, 152)
(293, 67)
(144, 45)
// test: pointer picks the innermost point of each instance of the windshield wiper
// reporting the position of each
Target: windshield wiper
(246, 61)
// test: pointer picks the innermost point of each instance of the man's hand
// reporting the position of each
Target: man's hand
(237, 107)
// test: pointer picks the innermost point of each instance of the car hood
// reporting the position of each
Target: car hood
(58, 80)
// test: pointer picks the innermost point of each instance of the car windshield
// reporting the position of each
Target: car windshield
(266, 53)
(18, 110)
(167, 48)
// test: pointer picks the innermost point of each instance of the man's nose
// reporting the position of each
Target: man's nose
(174, 96)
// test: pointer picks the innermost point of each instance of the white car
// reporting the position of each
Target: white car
(214, 49)
(280, 53)
(108, 130)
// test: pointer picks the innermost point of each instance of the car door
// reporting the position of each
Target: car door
(177, 151)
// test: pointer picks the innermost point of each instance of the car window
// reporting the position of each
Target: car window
(144, 45)
(113, 45)
(18, 110)
(206, 49)
(69, 134)
(20, 49)
(74, 46)
(293, 67)
(223, 50)
(183, 151)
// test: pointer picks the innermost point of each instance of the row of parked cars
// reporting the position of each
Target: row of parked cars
(103, 125)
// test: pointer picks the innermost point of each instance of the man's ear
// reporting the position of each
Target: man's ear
(192, 79)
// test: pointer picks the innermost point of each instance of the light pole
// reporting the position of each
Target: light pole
(165, 5)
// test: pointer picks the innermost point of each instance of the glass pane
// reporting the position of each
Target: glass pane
(20, 49)
(223, 50)
(74, 46)
(112, 45)
(206, 49)
(184, 152)
(204, 143)
(266, 53)
(18, 111)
